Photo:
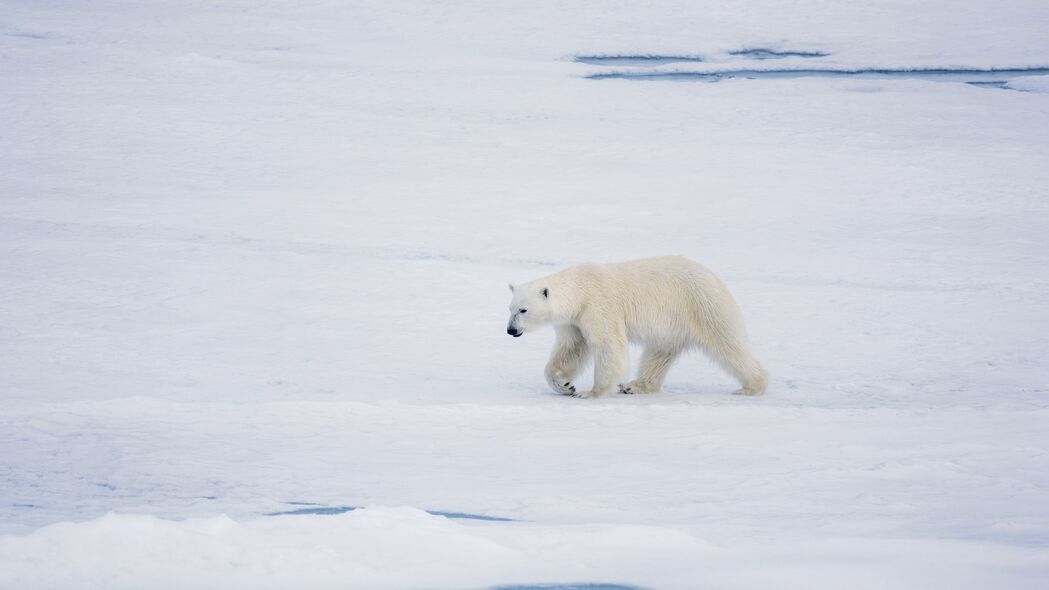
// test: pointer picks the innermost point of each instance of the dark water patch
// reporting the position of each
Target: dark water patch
(765, 53)
(993, 78)
(313, 508)
(1003, 84)
(636, 60)
(469, 517)
(568, 587)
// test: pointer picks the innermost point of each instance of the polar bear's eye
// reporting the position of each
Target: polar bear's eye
(523, 310)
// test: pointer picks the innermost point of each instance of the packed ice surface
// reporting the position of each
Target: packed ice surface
(253, 258)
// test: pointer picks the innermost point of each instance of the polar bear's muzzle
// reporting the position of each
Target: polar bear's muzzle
(514, 332)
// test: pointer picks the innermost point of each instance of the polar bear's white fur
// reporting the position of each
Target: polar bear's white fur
(668, 304)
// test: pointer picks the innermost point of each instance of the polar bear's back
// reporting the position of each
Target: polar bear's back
(670, 299)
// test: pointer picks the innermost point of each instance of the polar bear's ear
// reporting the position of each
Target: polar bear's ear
(511, 285)
(546, 292)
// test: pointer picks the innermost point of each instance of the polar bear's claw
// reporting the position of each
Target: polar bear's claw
(635, 387)
(564, 388)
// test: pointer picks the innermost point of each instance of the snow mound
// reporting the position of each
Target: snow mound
(382, 547)
(376, 547)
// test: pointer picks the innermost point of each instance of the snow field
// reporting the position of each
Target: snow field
(255, 255)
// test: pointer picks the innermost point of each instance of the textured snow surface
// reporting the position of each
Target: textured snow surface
(1031, 84)
(253, 261)
(406, 548)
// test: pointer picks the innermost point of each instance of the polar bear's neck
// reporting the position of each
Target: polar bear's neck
(571, 289)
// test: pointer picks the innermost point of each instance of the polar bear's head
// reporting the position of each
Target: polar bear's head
(529, 308)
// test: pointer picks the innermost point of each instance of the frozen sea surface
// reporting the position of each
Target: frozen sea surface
(253, 267)
(1001, 78)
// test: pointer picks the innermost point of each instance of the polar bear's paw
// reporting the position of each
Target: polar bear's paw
(635, 387)
(748, 391)
(563, 387)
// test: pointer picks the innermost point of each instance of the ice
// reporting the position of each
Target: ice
(635, 60)
(769, 53)
(995, 78)
(1030, 84)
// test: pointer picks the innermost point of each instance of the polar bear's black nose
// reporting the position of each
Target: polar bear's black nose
(513, 332)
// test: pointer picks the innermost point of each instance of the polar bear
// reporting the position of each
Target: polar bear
(668, 304)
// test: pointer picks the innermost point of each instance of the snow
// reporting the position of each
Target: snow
(1031, 84)
(253, 258)
(406, 548)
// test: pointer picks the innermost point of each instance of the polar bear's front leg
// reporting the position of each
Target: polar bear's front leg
(611, 361)
(570, 352)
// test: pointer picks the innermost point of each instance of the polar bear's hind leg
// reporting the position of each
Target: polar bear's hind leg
(724, 339)
(733, 355)
(655, 363)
